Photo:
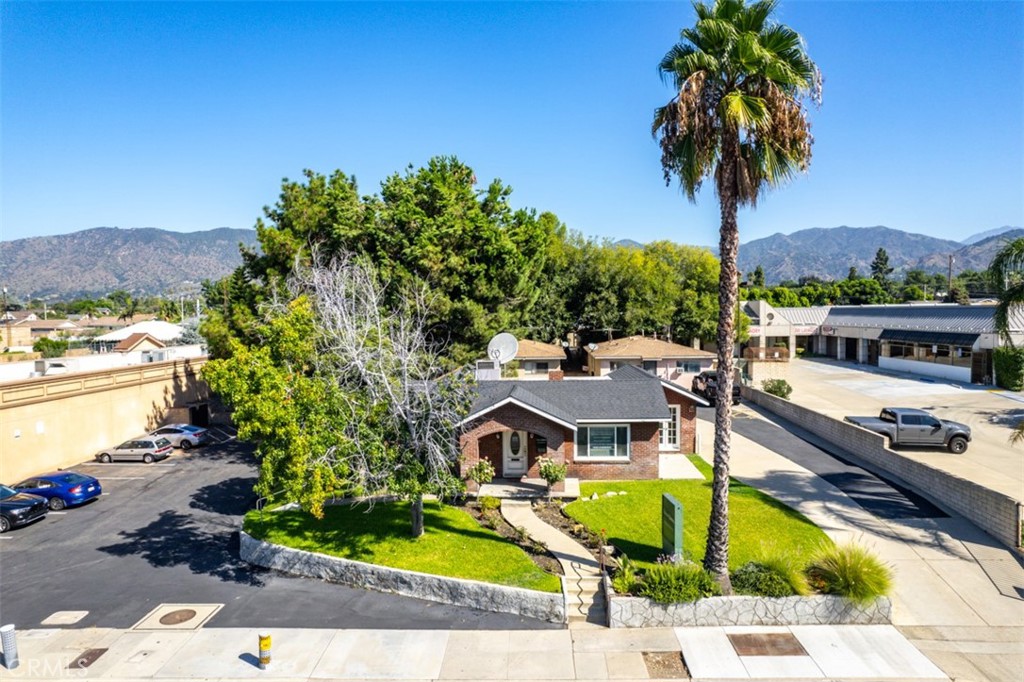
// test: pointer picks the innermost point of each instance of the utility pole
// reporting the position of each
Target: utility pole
(7, 319)
(949, 281)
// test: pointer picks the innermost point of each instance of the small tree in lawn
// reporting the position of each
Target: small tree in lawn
(552, 472)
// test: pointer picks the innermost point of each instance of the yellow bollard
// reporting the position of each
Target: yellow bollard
(264, 651)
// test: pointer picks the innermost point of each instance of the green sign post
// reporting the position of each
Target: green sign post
(671, 527)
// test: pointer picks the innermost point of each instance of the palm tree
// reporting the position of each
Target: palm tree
(738, 116)
(1006, 268)
(1005, 271)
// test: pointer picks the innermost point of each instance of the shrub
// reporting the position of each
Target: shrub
(777, 387)
(625, 580)
(849, 571)
(551, 471)
(783, 563)
(482, 472)
(764, 581)
(488, 503)
(50, 348)
(1009, 365)
(671, 584)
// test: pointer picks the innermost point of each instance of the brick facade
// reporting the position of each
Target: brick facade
(484, 441)
(687, 421)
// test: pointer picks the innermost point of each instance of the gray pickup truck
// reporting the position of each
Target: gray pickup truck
(907, 426)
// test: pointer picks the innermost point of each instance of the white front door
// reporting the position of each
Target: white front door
(514, 457)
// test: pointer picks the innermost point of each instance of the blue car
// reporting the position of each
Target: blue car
(62, 488)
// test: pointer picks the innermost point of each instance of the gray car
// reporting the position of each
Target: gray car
(146, 449)
(184, 436)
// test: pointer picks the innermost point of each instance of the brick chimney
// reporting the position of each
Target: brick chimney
(555, 375)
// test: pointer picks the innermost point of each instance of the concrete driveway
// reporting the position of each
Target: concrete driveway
(839, 389)
(167, 533)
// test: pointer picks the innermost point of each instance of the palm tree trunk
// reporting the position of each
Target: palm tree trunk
(716, 554)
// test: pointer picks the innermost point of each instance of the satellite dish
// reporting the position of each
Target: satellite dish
(502, 348)
(592, 346)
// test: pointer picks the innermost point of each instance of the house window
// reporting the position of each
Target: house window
(602, 442)
(540, 367)
(669, 439)
(651, 366)
(689, 366)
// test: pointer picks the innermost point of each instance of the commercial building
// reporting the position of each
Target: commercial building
(946, 341)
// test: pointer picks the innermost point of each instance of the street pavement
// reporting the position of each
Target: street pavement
(168, 533)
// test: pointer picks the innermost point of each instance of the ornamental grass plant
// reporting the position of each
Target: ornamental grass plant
(849, 571)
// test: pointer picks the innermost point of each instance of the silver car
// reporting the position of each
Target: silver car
(184, 436)
(144, 448)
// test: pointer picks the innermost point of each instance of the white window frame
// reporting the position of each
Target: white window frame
(663, 440)
(586, 457)
(688, 366)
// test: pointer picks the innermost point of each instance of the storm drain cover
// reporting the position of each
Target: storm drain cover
(177, 617)
(87, 658)
(767, 644)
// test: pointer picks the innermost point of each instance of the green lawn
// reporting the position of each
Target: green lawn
(453, 545)
(633, 521)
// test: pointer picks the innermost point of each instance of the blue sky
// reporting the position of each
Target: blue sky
(186, 116)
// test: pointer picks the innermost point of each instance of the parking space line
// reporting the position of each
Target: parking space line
(56, 513)
(124, 478)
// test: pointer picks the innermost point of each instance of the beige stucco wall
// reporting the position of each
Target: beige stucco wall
(52, 422)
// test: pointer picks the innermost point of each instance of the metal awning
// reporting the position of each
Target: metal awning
(915, 336)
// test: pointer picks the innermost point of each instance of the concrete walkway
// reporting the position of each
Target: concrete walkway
(876, 652)
(943, 598)
(582, 571)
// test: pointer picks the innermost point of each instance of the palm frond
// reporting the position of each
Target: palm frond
(1010, 259)
(754, 16)
(1010, 297)
(1017, 436)
(667, 65)
(745, 111)
(728, 10)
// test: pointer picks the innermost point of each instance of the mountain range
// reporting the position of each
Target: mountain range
(830, 252)
(142, 260)
(153, 261)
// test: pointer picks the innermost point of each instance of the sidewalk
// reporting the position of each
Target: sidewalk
(943, 597)
(834, 653)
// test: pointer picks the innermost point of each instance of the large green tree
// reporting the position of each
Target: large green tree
(482, 259)
(737, 116)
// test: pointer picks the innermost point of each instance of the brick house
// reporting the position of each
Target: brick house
(611, 428)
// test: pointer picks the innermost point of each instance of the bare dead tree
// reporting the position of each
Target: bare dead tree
(377, 347)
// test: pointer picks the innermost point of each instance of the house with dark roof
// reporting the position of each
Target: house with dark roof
(609, 428)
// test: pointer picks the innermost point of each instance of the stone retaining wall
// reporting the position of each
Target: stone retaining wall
(996, 513)
(546, 606)
(639, 612)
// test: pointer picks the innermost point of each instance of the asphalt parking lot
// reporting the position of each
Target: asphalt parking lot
(167, 533)
(839, 389)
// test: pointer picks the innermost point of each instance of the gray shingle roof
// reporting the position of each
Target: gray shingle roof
(580, 400)
(634, 373)
(933, 318)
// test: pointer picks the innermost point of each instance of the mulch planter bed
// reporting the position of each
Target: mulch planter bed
(665, 665)
(496, 522)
